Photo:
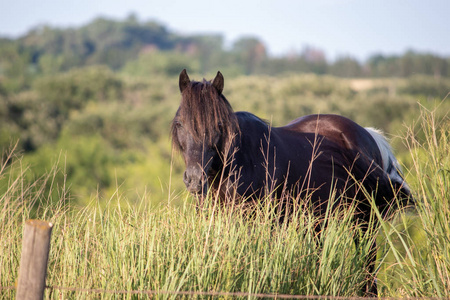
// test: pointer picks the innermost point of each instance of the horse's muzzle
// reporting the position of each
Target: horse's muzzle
(195, 182)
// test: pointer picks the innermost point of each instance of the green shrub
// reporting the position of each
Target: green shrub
(426, 86)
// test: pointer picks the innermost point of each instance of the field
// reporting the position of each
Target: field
(122, 241)
(84, 143)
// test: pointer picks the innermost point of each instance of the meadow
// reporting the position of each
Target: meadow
(135, 232)
(84, 143)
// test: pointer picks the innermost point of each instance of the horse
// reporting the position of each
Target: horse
(309, 158)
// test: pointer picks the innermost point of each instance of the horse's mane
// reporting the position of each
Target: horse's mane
(205, 112)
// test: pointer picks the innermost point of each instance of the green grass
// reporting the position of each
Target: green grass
(137, 246)
(176, 249)
(419, 264)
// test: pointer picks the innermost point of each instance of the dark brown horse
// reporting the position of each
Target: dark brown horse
(237, 152)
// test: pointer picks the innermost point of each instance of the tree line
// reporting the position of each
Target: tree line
(117, 43)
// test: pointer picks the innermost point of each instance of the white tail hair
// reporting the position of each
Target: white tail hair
(390, 164)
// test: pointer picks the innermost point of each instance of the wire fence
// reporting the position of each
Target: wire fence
(151, 293)
(53, 289)
(198, 293)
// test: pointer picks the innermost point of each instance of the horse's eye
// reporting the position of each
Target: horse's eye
(178, 124)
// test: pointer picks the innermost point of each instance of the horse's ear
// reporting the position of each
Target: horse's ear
(218, 82)
(184, 80)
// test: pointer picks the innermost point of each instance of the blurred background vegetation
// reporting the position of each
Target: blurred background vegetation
(97, 101)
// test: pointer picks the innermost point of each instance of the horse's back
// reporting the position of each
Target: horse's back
(340, 130)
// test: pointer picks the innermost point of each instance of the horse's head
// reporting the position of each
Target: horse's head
(202, 130)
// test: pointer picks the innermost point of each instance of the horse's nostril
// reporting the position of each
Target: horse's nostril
(190, 181)
(186, 179)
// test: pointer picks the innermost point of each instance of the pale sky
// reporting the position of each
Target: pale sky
(358, 28)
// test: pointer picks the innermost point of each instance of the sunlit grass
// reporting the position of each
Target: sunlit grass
(176, 248)
(113, 244)
(419, 265)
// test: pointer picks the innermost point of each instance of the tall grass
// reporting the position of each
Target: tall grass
(419, 265)
(166, 248)
(177, 249)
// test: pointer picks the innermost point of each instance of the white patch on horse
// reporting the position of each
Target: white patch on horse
(390, 164)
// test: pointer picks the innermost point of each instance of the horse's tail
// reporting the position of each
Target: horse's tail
(390, 164)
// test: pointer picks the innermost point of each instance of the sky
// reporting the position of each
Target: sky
(356, 28)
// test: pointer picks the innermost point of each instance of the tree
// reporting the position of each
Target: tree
(346, 67)
(250, 52)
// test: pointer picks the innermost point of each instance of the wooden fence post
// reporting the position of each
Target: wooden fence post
(34, 258)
